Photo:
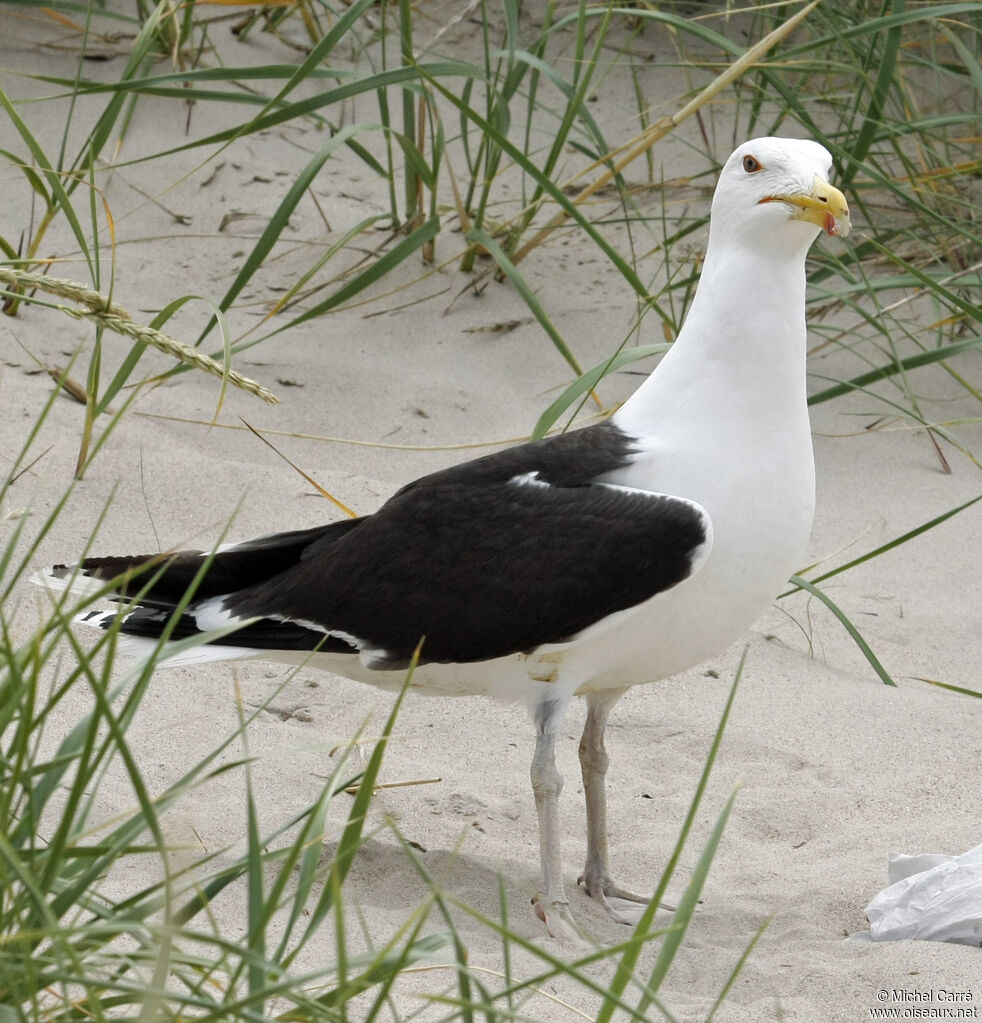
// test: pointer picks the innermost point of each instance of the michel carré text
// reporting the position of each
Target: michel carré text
(939, 995)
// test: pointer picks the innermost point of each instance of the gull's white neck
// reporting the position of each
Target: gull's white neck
(739, 360)
(723, 421)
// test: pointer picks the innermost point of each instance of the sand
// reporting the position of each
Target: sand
(835, 768)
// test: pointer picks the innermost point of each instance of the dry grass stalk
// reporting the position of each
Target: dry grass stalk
(98, 308)
(640, 144)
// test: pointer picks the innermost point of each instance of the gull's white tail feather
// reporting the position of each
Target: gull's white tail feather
(173, 654)
(70, 580)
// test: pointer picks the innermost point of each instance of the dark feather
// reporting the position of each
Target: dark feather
(166, 577)
(482, 572)
(496, 556)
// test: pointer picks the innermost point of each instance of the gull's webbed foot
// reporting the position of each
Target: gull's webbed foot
(622, 906)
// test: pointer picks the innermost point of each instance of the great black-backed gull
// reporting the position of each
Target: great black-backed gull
(579, 565)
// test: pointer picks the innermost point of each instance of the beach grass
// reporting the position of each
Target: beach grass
(485, 162)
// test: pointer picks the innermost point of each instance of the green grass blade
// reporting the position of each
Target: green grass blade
(672, 942)
(304, 108)
(902, 365)
(951, 687)
(393, 258)
(857, 638)
(53, 178)
(735, 972)
(480, 237)
(280, 219)
(587, 381)
(351, 838)
(896, 542)
(873, 106)
(629, 960)
(556, 193)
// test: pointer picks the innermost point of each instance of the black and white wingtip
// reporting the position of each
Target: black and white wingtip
(140, 627)
(156, 588)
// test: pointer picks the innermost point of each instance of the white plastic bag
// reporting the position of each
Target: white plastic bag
(932, 897)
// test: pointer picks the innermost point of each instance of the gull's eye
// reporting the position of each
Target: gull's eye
(751, 164)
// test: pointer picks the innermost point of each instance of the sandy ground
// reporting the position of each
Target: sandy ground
(835, 769)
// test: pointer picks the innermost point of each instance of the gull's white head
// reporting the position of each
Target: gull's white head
(775, 192)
